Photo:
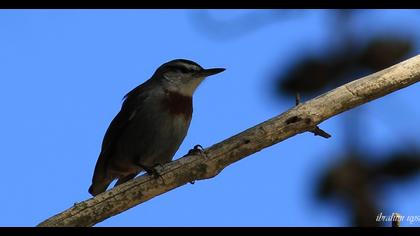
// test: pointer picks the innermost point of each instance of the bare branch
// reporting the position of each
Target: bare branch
(302, 118)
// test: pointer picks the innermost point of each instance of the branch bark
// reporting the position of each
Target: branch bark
(299, 119)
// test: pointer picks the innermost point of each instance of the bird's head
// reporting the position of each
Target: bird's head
(183, 76)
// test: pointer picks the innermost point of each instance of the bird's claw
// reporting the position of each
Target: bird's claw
(197, 150)
(154, 171)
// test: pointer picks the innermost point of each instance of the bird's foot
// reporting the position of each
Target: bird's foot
(196, 150)
(155, 171)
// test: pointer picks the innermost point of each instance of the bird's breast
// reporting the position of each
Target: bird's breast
(178, 104)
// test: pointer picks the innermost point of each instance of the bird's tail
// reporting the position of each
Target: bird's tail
(97, 188)
(101, 179)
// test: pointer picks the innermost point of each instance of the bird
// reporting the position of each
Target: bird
(151, 125)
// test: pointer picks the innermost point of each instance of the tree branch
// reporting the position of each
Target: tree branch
(302, 118)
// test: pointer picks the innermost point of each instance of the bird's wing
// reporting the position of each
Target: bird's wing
(132, 102)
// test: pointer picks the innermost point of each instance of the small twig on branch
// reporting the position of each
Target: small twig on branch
(297, 99)
(302, 118)
(316, 130)
(319, 132)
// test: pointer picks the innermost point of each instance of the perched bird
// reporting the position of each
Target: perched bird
(151, 125)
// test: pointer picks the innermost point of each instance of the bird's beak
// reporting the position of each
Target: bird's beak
(208, 72)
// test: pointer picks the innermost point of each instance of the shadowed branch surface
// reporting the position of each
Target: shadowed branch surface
(302, 118)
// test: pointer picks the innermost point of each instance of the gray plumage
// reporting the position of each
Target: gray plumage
(151, 125)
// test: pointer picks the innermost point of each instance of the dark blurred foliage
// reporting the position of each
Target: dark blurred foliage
(356, 181)
(312, 75)
(353, 180)
(359, 182)
(315, 75)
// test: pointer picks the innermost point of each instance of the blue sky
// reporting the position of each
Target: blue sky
(63, 75)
